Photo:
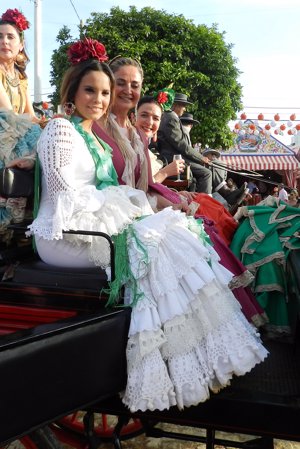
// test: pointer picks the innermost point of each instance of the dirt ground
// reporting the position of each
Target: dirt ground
(142, 442)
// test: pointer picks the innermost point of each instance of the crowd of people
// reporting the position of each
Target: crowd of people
(194, 322)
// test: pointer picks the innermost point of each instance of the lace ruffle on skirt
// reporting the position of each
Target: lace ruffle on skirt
(187, 335)
(18, 136)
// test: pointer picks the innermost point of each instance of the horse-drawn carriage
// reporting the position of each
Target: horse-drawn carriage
(62, 351)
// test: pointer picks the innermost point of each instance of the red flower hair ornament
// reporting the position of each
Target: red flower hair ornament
(15, 17)
(164, 98)
(86, 49)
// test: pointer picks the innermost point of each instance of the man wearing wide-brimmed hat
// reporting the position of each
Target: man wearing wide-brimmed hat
(172, 139)
(188, 121)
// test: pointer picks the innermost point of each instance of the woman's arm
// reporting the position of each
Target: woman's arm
(4, 99)
(55, 150)
(29, 108)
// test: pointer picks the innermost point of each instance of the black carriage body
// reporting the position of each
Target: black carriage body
(53, 369)
(61, 348)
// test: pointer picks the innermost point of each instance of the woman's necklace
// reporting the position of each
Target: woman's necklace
(13, 81)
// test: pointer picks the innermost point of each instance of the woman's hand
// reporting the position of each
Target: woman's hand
(174, 168)
(181, 206)
(25, 164)
(190, 196)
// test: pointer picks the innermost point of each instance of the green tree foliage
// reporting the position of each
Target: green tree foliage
(194, 59)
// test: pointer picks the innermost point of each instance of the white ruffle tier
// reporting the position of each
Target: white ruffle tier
(187, 335)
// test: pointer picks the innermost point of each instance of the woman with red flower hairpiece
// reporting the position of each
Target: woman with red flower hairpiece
(149, 112)
(87, 49)
(14, 93)
(187, 334)
(18, 134)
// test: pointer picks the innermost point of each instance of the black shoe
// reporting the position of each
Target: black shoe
(238, 195)
(234, 196)
(224, 191)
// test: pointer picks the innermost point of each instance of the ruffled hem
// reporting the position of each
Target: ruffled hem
(186, 378)
(18, 136)
(242, 280)
(188, 335)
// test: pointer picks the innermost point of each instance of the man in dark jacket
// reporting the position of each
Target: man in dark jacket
(173, 140)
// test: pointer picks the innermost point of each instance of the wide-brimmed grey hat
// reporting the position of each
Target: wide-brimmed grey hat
(188, 118)
(181, 98)
(211, 151)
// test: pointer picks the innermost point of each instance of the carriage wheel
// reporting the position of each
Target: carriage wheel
(104, 426)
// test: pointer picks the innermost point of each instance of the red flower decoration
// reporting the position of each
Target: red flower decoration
(86, 49)
(162, 97)
(17, 18)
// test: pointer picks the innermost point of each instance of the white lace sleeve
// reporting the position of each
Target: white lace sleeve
(55, 153)
(59, 149)
(70, 199)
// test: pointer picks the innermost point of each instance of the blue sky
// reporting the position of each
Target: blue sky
(265, 35)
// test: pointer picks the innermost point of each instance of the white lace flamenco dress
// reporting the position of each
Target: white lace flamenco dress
(187, 335)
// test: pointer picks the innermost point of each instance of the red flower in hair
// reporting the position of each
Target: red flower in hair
(86, 49)
(17, 18)
(162, 97)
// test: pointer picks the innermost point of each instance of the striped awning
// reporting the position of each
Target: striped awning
(261, 162)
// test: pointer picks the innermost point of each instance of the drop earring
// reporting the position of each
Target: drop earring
(20, 58)
(69, 108)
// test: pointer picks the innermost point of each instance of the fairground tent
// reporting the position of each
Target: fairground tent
(254, 150)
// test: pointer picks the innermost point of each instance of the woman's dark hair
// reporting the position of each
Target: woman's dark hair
(22, 58)
(119, 61)
(148, 99)
(74, 75)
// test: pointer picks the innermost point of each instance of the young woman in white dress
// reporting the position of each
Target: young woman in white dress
(187, 334)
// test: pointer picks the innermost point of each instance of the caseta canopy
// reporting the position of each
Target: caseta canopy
(261, 162)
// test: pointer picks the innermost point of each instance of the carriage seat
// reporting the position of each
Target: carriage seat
(15, 182)
(38, 273)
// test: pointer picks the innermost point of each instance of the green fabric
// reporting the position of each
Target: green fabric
(123, 273)
(106, 174)
(275, 307)
(262, 242)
